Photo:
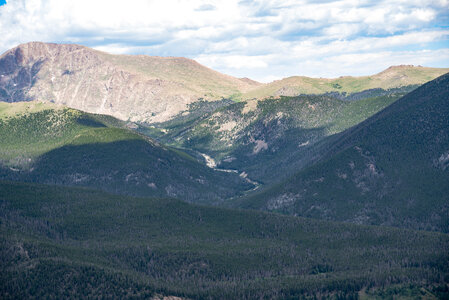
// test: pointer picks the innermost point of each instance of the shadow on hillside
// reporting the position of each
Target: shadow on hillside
(86, 120)
(21, 78)
(283, 155)
(131, 167)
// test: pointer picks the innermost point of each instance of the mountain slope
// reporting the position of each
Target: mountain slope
(56, 145)
(65, 242)
(393, 77)
(391, 169)
(140, 88)
(270, 139)
(155, 89)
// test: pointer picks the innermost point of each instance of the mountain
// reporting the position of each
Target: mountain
(338, 185)
(393, 77)
(43, 142)
(155, 89)
(391, 169)
(59, 242)
(270, 139)
(135, 87)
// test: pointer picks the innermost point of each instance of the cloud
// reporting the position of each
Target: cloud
(206, 7)
(263, 39)
(236, 62)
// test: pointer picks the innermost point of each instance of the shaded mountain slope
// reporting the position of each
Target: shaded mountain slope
(72, 242)
(391, 169)
(56, 145)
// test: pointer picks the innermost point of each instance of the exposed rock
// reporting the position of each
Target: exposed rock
(442, 161)
(135, 88)
(250, 105)
(228, 126)
(282, 201)
(260, 145)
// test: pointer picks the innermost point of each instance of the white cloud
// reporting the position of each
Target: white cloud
(234, 61)
(262, 39)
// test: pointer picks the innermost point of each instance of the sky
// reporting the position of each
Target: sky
(264, 40)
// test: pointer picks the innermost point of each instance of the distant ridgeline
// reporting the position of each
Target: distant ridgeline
(156, 89)
(378, 92)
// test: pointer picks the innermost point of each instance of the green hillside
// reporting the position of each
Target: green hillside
(30, 129)
(391, 169)
(61, 242)
(393, 77)
(57, 145)
(271, 138)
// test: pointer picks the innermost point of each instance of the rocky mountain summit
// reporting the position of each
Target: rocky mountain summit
(155, 89)
(138, 88)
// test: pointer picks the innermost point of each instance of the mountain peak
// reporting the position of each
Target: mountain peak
(40, 49)
(134, 87)
(402, 75)
(399, 68)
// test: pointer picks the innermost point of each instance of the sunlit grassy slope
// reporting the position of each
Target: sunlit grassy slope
(67, 242)
(189, 75)
(29, 129)
(393, 77)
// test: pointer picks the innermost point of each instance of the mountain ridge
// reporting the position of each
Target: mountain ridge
(120, 85)
(390, 169)
(52, 144)
(153, 89)
(392, 77)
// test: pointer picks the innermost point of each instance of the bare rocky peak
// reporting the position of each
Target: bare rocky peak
(155, 89)
(134, 87)
(38, 50)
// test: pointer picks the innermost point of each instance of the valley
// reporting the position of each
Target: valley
(254, 136)
(132, 176)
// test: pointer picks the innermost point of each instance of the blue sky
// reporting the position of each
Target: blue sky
(263, 40)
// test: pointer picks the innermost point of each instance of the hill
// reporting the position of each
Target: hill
(393, 77)
(57, 145)
(391, 169)
(270, 139)
(69, 242)
(136, 87)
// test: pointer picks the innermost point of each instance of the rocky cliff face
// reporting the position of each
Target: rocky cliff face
(138, 88)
